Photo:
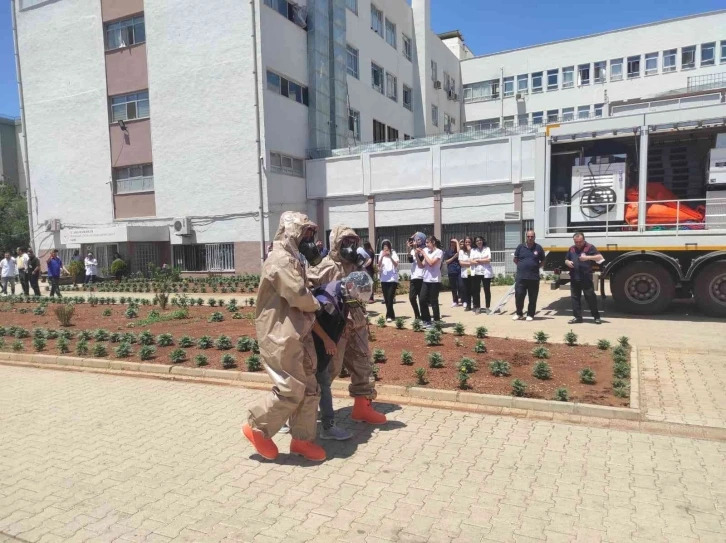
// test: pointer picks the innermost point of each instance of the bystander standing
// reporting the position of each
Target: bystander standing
(8, 271)
(33, 271)
(388, 275)
(580, 259)
(92, 268)
(55, 267)
(529, 258)
(22, 262)
(431, 281)
(451, 257)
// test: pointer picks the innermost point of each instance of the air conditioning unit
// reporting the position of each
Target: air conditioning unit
(52, 225)
(598, 192)
(510, 216)
(520, 96)
(183, 226)
(437, 84)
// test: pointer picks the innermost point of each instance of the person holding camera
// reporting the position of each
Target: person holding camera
(432, 256)
(388, 273)
(415, 243)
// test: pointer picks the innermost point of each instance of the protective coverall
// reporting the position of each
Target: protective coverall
(285, 317)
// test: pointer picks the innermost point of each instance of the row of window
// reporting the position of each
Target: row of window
(383, 133)
(385, 28)
(539, 117)
(287, 165)
(596, 72)
(281, 85)
(125, 33)
(449, 82)
(382, 81)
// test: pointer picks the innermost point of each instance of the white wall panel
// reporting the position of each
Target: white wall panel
(403, 170)
(352, 212)
(479, 204)
(527, 153)
(408, 208)
(334, 177)
(476, 163)
(528, 201)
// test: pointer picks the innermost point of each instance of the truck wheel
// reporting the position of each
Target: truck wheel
(644, 288)
(709, 289)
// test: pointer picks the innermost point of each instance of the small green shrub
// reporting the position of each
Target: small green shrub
(381, 322)
(100, 350)
(621, 370)
(571, 338)
(463, 378)
(540, 337)
(177, 356)
(587, 376)
(51, 334)
(64, 313)
(223, 343)
(39, 333)
(186, 342)
(244, 344)
(205, 342)
(115, 337)
(379, 355)
(201, 360)
(164, 340)
(621, 389)
(129, 337)
(420, 374)
(375, 371)
(624, 342)
(400, 323)
(407, 358)
(123, 350)
(101, 335)
(63, 345)
(107, 312)
(212, 302)
(216, 317)
(237, 316)
(542, 370)
(39, 344)
(436, 360)
(417, 325)
(561, 395)
(438, 325)
(603, 344)
(147, 352)
(500, 368)
(40, 310)
(21, 333)
(620, 352)
(540, 352)
(481, 332)
(85, 335)
(253, 363)
(67, 334)
(131, 312)
(466, 365)
(228, 361)
(146, 338)
(480, 347)
(18, 346)
(433, 337)
(459, 329)
(82, 347)
(519, 388)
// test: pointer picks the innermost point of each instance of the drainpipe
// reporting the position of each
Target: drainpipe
(501, 97)
(258, 141)
(28, 189)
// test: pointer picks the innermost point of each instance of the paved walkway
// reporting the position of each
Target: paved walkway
(90, 457)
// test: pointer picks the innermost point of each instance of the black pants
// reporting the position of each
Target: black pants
(475, 292)
(389, 292)
(54, 289)
(455, 287)
(465, 291)
(430, 296)
(90, 279)
(586, 287)
(486, 282)
(33, 280)
(413, 295)
(526, 288)
(24, 282)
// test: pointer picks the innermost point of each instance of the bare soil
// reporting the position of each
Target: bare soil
(566, 362)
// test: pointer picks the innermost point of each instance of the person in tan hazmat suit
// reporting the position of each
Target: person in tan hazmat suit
(285, 319)
(352, 349)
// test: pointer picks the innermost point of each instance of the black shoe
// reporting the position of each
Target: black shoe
(598, 321)
(574, 321)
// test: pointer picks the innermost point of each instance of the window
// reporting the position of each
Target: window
(280, 85)
(553, 115)
(537, 82)
(134, 179)
(484, 124)
(407, 47)
(125, 33)
(508, 86)
(376, 20)
(568, 114)
(353, 61)
(289, 10)
(482, 91)
(392, 134)
(377, 77)
(508, 121)
(708, 54)
(435, 115)
(379, 132)
(723, 51)
(599, 70)
(391, 34)
(523, 120)
(598, 110)
(449, 83)
(553, 79)
(215, 257)
(408, 97)
(130, 106)
(537, 117)
(287, 165)
(688, 57)
(392, 87)
(447, 123)
(522, 83)
(434, 71)
(406, 137)
(354, 123)
(633, 67)
(583, 74)
(352, 5)
(651, 64)
(669, 60)
(568, 77)
(583, 112)
(616, 69)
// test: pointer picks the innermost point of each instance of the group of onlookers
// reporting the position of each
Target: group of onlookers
(23, 267)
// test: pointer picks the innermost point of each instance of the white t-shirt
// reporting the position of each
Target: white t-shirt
(417, 272)
(432, 274)
(22, 261)
(9, 267)
(91, 266)
(387, 272)
(482, 269)
(463, 257)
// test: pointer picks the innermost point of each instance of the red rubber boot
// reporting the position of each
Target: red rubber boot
(307, 449)
(363, 412)
(266, 448)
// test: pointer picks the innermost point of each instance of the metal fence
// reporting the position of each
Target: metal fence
(215, 257)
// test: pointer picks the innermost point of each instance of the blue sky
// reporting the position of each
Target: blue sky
(487, 26)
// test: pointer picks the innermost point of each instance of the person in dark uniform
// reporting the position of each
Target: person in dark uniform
(529, 258)
(579, 259)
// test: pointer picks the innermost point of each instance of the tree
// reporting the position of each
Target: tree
(13, 219)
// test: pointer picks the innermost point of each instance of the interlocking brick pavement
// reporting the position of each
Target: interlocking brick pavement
(683, 387)
(92, 457)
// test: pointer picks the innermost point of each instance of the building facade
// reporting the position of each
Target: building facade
(12, 171)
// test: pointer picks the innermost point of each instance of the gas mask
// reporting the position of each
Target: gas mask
(310, 251)
(349, 251)
(357, 287)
